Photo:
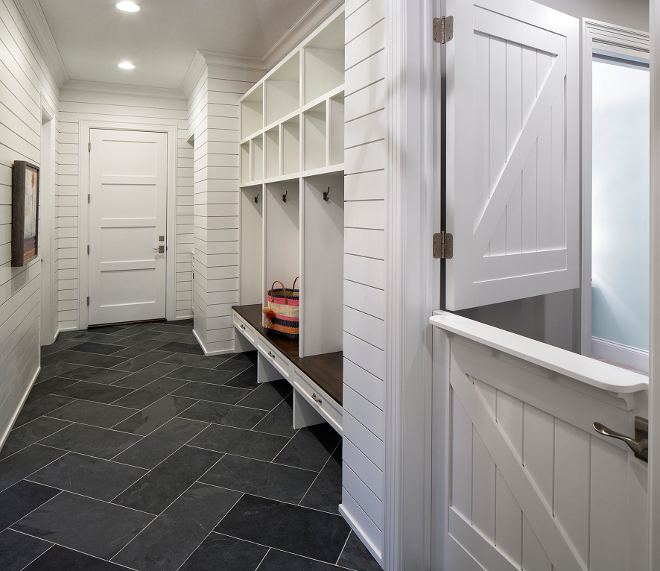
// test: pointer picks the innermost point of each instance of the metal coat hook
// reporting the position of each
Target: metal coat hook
(326, 195)
(256, 199)
(284, 196)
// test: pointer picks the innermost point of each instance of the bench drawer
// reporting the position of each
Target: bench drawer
(326, 406)
(279, 361)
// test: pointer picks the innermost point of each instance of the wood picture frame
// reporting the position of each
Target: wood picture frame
(25, 213)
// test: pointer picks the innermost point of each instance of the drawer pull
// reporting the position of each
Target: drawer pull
(242, 327)
(316, 399)
(270, 354)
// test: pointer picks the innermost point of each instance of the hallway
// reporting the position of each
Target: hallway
(136, 451)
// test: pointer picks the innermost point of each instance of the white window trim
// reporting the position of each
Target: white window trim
(83, 211)
(599, 38)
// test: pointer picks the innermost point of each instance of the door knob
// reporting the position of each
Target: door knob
(160, 249)
(639, 445)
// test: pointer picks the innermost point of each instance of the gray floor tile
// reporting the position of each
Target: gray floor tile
(167, 481)
(200, 361)
(19, 500)
(59, 346)
(325, 493)
(142, 361)
(210, 376)
(281, 561)
(176, 533)
(245, 380)
(90, 440)
(220, 552)
(213, 393)
(54, 370)
(150, 393)
(93, 413)
(49, 387)
(268, 395)
(310, 448)
(356, 556)
(39, 405)
(93, 477)
(178, 347)
(140, 348)
(80, 358)
(307, 532)
(95, 375)
(155, 415)
(93, 392)
(153, 449)
(146, 375)
(25, 462)
(18, 550)
(98, 348)
(91, 526)
(30, 433)
(226, 414)
(239, 362)
(260, 478)
(279, 420)
(240, 442)
(62, 559)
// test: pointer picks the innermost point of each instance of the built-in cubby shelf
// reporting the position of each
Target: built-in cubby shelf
(292, 193)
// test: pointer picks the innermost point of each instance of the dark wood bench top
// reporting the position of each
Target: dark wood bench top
(326, 370)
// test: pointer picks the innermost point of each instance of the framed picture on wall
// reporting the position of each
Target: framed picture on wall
(24, 213)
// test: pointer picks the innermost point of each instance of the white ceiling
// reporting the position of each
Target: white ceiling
(161, 39)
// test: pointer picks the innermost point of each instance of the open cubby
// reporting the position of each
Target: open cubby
(315, 133)
(336, 122)
(324, 61)
(291, 146)
(272, 147)
(257, 157)
(252, 112)
(282, 234)
(245, 162)
(283, 90)
(323, 265)
(251, 244)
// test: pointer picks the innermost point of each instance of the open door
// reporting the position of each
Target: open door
(512, 177)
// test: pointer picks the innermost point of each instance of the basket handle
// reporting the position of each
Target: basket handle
(294, 282)
(270, 295)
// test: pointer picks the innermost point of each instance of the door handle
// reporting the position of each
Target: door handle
(639, 445)
(160, 249)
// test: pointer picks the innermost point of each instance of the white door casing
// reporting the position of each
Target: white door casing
(127, 218)
(512, 175)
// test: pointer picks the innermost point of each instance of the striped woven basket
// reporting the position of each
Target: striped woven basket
(283, 311)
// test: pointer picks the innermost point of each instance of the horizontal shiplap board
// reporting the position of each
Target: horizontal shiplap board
(367, 44)
(364, 355)
(368, 501)
(362, 242)
(367, 100)
(368, 299)
(366, 271)
(365, 469)
(370, 415)
(366, 16)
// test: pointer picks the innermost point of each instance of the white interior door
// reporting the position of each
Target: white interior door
(127, 226)
(512, 152)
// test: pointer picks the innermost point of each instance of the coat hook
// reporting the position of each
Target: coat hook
(326, 195)
(284, 196)
(256, 199)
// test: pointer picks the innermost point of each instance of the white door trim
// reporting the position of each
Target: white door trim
(598, 38)
(84, 128)
(47, 249)
(654, 314)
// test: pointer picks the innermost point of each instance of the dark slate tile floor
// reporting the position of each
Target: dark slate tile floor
(135, 451)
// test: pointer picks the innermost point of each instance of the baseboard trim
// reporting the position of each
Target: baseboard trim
(182, 317)
(208, 353)
(618, 353)
(7, 430)
(378, 556)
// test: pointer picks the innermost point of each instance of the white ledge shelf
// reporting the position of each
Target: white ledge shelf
(589, 371)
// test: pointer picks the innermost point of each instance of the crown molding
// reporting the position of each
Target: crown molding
(122, 89)
(35, 20)
(193, 75)
(306, 24)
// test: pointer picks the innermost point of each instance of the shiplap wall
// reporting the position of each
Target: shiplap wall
(213, 116)
(24, 80)
(77, 104)
(364, 270)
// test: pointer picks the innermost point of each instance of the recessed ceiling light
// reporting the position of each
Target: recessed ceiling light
(126, 65)
(128, 6)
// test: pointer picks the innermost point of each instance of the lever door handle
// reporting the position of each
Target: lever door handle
(639, 445)
(160, 249)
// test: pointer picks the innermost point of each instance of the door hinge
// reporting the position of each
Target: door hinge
(88, 198)
(88, 249)
(89, 147)
(87, 302)
(443, 29)
(443, 246)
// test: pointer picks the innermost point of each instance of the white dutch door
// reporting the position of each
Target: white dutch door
(512, 152)
(127, 226)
